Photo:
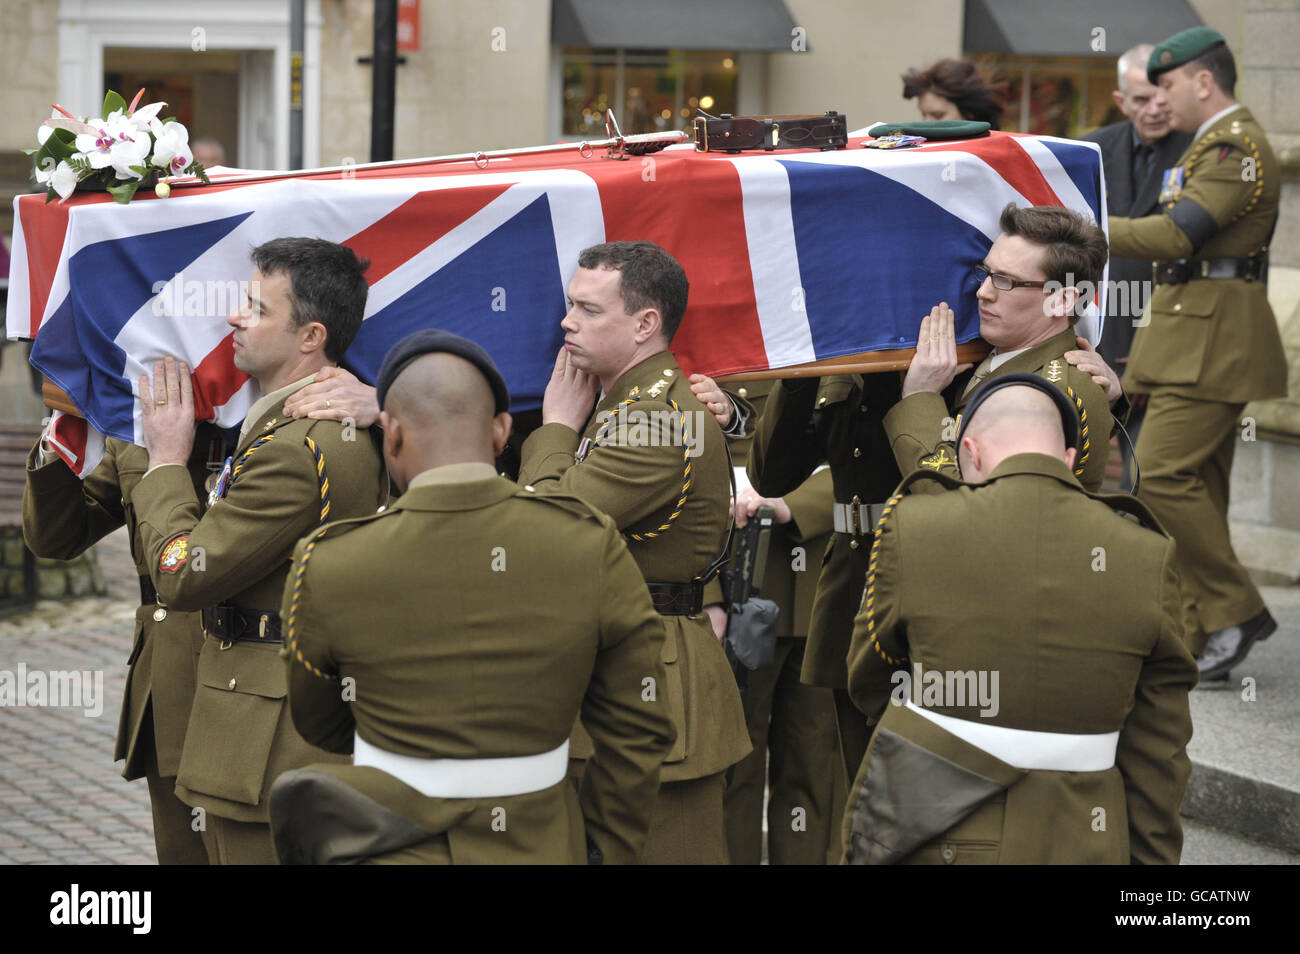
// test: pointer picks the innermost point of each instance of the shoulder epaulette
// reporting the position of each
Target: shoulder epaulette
(948, 481)
(568, 502)
(1131, 506)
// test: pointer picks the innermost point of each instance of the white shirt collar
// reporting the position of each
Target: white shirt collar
(999, 358)
(1214, 119)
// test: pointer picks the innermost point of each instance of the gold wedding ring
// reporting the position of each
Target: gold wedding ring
(328, 404)
(160, 403)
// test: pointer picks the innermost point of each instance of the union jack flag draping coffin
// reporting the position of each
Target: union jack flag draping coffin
(792, 257)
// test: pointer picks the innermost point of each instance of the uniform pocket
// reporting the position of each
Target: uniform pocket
(1174, 347)
(237, 709)
(833, 390)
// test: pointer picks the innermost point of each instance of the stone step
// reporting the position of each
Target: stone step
(1245, 748)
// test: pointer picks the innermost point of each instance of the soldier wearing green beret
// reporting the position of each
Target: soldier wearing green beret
(286, 478)
(1211, 342)
(470, 641)
(62, 517)
(1026, 678)
(651, 457)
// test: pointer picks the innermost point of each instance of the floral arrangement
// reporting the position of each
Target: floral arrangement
(126, 149)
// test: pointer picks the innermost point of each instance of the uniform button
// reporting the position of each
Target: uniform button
(853, 544)
(856, 499)
(1178, 307)
(857, 452)
(862, 408)
(668, 372)
(949, 853)
(530, 488)
(744, 392)
(159, 615)
(232, 683)
(821, 401)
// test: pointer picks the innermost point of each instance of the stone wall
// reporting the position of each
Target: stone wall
(55, 579)
(1265, 512)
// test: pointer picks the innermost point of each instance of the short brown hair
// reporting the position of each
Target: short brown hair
(1074, 248)
(648, 278)
(976, 95)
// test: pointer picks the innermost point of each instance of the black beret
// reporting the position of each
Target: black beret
(1069, 413)
(433, 341)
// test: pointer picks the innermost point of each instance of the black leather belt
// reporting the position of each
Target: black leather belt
(733, 133)
(232, 623)
(147, 593)
(856, 519)
(677, 599)
(1194, 269)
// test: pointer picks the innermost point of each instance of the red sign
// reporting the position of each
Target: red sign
(408, 25)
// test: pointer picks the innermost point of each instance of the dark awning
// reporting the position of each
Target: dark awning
(672, 24)
(1065, 27)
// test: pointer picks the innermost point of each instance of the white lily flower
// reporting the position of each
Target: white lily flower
(145, 115)
(171, 149)
(96, 146)
(62, 179)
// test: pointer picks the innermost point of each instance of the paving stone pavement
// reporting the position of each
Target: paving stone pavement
(62, 798)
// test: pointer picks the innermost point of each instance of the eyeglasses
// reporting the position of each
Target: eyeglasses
(1003, 282)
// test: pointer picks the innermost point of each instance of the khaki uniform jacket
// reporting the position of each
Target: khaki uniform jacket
(1211, 339)
(63, 516)
(923, 430)
(636, 477)
(838, 421)
(1077, 610)
(476, 619)
(240, 736)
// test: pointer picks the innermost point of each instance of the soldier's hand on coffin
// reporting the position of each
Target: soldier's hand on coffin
(335, 395)
(167, 412)
(935, 363)
(569, 395)
(748, 502)
(708, 393)
(1088, 360)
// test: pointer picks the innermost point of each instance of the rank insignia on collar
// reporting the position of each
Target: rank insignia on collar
(657, 388)
(938, 459)
(174, 555)
(1054, 371)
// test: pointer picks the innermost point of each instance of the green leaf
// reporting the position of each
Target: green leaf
(123, 193)
(196, 169)
(112, 101)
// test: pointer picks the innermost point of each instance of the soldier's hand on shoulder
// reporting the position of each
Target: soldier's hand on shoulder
(708, 393)
(935, 363)
(1087, 359)
(335, 395)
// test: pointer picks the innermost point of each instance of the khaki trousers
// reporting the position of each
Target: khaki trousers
(175, 839)
(232, 842)
(796, 755)
(1185, 451)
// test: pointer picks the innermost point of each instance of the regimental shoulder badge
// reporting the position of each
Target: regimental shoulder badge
(174, 555)
(657, 388)
(939, 459)
(1055, 371)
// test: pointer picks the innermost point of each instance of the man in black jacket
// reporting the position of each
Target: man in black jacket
(1135, 154)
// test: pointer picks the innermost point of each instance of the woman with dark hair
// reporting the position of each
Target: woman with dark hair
(955, 89)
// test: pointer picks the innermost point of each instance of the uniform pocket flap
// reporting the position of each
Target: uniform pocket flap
(255, 671)
(1189, 306)
(834, 390)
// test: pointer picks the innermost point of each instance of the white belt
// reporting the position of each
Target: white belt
(468, 778)
(1027, 749)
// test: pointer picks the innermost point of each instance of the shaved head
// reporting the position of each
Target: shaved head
(439, 410)
(1013, 420)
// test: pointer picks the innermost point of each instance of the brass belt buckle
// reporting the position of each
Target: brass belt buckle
(855, 517)
(1205, 268)
(261, 627)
